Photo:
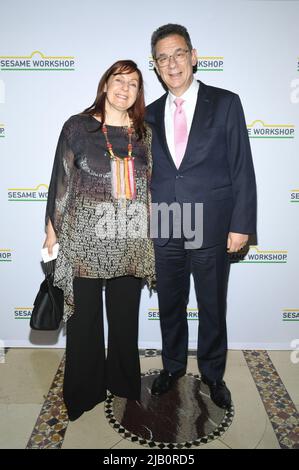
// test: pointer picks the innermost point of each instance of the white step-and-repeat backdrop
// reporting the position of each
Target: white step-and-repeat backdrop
(52, 56)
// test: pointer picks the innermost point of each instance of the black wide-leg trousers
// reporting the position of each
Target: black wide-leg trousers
(88, 373)
(210, 269)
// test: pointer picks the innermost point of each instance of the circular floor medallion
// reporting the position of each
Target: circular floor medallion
(183, 417)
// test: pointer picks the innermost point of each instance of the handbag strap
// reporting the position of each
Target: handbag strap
(49, 267)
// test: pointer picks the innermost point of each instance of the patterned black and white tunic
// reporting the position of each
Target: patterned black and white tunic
(99, 237)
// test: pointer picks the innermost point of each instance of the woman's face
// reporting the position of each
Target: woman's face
(122, 90)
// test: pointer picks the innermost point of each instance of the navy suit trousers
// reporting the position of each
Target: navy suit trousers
(210, 270)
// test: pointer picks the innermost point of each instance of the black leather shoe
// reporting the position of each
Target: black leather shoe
(219, 392)
(164, 382)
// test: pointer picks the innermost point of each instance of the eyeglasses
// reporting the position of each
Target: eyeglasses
(178, 56)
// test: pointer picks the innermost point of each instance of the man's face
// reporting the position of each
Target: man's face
(177, 71)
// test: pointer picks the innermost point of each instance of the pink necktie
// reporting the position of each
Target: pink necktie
(180, 131)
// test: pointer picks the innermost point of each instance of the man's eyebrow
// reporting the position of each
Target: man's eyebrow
(176, 50)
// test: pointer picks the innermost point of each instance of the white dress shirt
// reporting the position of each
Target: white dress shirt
(190, 97)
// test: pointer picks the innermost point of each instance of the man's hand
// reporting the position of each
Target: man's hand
(236, 241)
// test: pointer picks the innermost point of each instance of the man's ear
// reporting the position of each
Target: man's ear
(194, 57)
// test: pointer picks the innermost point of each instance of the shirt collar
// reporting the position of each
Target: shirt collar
(189, 95)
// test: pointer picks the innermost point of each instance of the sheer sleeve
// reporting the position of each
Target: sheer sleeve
(148, 144)
(59, 188)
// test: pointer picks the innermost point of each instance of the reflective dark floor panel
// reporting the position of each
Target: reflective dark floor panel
(182, 417)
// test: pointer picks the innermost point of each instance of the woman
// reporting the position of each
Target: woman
(98, 210)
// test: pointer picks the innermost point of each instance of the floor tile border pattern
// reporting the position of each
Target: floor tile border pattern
(218, 431)
(49, 430)
(278, 404)
(52, 422)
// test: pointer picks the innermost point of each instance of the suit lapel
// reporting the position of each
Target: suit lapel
(202, 117)
(160, 120)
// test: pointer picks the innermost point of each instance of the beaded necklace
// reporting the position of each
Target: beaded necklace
(123, 185)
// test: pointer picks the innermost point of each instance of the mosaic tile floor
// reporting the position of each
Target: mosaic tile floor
(52, 423)
(281, 410)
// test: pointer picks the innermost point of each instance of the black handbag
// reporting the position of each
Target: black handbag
(47, 312)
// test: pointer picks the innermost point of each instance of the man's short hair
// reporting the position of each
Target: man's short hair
(169, 30)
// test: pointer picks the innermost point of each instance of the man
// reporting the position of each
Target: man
(201, 154)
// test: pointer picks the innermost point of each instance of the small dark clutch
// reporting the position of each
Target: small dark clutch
(47, 312)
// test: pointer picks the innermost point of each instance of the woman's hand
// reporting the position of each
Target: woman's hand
(51, 238)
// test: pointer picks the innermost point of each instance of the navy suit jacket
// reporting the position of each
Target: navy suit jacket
(217, 167)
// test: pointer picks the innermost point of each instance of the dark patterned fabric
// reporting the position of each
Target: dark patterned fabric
(99, 237)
